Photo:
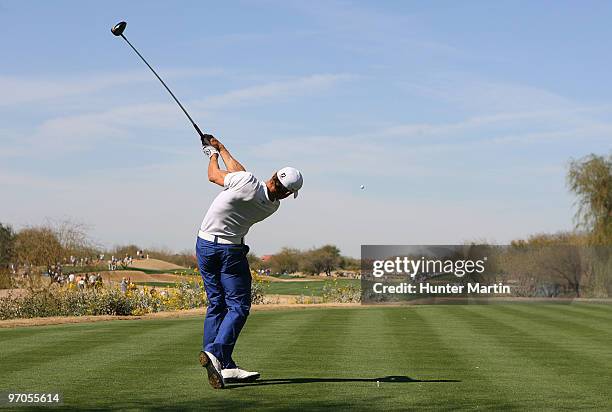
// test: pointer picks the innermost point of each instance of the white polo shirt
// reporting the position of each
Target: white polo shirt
(243, 203)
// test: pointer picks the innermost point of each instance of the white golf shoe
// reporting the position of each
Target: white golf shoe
(213, 368)
(239, 375)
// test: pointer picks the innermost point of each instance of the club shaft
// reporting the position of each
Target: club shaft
(162, 82)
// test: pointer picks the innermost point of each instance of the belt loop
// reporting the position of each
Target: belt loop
(216, 237)
(242, 241)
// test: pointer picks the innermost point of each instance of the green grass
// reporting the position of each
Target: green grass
(314, 288)
(503, 357)
(286, 276)
(157, 284)
(82, 269)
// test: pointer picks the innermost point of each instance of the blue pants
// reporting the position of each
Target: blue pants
(227, 280)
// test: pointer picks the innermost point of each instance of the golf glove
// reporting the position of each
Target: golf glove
(209, 150)
(205, 139)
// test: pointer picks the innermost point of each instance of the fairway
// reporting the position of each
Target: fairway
(512, 357)
(313, 288)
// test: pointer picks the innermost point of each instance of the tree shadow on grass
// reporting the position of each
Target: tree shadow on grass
(293, 381)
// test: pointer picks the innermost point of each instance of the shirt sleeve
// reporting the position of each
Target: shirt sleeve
(237, 180)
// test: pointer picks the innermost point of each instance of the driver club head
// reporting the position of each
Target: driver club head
(119, 28)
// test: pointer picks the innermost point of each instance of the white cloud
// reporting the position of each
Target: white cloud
(273, 90)
(78, 132)
(371, 31)
(387, 150)
(19, 90)
(484, 96)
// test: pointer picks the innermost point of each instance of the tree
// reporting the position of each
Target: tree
(350, 263)
(590, 178)
(37, 246)
(255, 262)
(324, 259)
(285, 261)
(130, 250)
(550, 239)
(7, 252)
(564, 263)
(7, 245)
(73, 237)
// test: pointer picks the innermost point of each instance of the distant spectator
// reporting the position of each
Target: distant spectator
(123, 285)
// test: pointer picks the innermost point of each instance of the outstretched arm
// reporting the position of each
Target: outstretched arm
(232, 164)
(215, 174)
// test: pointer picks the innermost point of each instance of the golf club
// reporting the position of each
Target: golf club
(118, 30)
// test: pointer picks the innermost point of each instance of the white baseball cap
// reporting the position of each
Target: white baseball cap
(291, 178)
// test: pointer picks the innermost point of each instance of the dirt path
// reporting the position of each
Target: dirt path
(14, 292)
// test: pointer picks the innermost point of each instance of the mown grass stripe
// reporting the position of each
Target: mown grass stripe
(322, 329)
(325, 359)
(289, 354)
(333, 358)
(170, 359)
(493, 367)
(581, 322)
(92, 349)
(596, 308)
(554, 363)
(275, 339)
(415, 333)
(14, 341)
(583, 309)
(573, 337)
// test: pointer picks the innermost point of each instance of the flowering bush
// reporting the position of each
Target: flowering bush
(71, 301)
(334, 292)
(67, 302)
(257, 289)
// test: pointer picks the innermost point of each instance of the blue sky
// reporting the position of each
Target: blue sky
(458, 117)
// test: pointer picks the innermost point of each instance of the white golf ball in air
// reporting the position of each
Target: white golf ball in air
(362, 187)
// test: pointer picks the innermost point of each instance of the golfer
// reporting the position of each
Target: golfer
(222, 254)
